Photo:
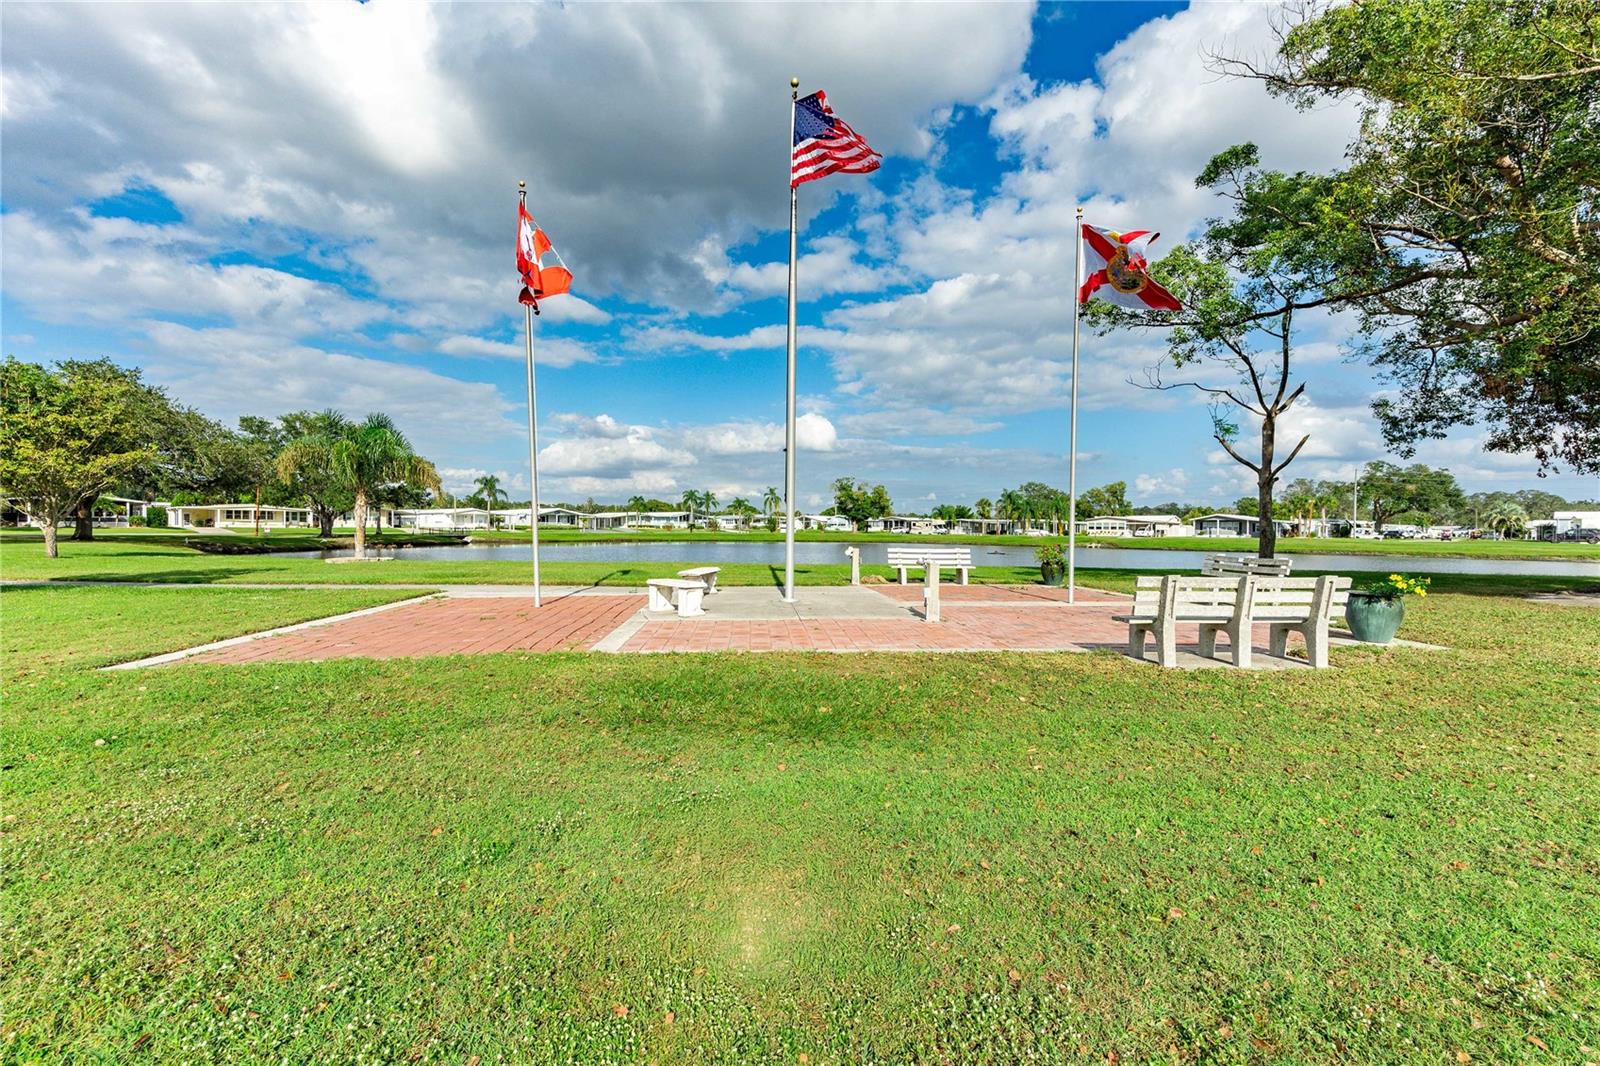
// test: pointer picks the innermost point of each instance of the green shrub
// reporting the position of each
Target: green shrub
(772, 523)
(1050, 553)
(135, 521)
(156, 517)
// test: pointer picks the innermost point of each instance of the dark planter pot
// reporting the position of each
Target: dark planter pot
(1374, 619)
(1053, 573)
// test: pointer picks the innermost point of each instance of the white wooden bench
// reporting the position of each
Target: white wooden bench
(704, 574)
(1232, 605)
(682, 594)
(1220, 565)
(904, 557)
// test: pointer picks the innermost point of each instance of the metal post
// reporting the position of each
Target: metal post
(1072, 422)
(533, 441)
(788, 427)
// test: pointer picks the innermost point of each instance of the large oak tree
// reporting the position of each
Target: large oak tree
(1465, 229)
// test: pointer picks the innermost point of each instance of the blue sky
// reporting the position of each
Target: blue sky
(271, 208)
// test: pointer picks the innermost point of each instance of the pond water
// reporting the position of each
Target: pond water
(982, 555)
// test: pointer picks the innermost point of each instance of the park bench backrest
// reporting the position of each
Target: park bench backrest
(1156, 595)
(1222, 565)
(1291, 596)
(914, 554)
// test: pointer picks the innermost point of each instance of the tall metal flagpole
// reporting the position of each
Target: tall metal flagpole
(1072, 432)
(533, 439)
(788, 427)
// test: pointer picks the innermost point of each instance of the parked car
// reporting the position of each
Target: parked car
(1583, 536)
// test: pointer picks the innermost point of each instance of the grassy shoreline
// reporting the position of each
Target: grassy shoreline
(299, 540)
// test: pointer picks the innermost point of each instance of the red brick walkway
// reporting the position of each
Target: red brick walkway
(445, 627)
(963, 629)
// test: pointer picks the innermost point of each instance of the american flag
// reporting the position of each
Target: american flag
(825, 144)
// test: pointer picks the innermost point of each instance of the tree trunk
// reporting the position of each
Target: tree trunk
(51, 551)
(83, 521)
(325, 521)
(361, 524)
(1267, 532)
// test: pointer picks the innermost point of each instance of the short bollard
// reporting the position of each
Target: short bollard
(855, 564)
(930, 592)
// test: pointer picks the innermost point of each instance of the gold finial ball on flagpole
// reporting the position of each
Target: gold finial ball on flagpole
(794, 83)
(522, 185)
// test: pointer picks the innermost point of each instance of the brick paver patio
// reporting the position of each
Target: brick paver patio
(975, 618)
(445, 627)
(962, 629)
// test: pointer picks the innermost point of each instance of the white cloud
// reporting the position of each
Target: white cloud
(229, 372)
(1168, 483)
(548, 351)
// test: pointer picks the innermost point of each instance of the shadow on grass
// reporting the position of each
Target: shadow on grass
(210, 576)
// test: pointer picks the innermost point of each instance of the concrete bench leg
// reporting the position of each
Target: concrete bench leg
(902, 570)
(689, 602)
(1240, 635)
(1167, 645)
(962, 574)
(658, 600)
(1317, 645)
(1278, 640)
(1136, 632)
(1208, 639)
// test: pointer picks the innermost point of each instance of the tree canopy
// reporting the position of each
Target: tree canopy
(1465, 230)
(68, 434)
(859, 502)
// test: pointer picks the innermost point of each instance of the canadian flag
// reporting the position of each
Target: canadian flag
(1118, 272)
(538, 281)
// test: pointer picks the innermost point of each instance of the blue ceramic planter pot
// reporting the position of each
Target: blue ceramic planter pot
(1053, 573)
(1374, 619)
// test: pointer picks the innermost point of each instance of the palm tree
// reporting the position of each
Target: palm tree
(1507, 519)
(708, 501)
(985, 507)
(488, 487)
(690, 500)
(373, 454)
(771, 501)
(1014, 506)
(306, 466)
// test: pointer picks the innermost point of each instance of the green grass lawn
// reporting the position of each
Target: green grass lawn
(46, 628)
(748, 858)
(872, 858)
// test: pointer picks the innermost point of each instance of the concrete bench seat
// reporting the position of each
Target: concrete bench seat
(676, 593)
(904, 557)
(1231, 606)
(705, 574)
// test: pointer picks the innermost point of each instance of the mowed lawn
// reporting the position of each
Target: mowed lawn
(871, 858)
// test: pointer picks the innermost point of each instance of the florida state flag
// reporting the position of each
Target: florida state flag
(1118, 272)
(538, 281)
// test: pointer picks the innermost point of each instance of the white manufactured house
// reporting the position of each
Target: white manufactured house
(122, 508)
(238, 515)
(442, 519)
(984, 525)
(907, 523)
(831, 523)
(1138, 525)
(1561, 524)
(1234, 525)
